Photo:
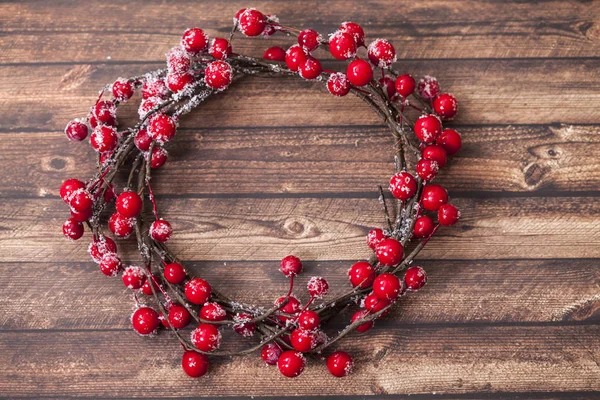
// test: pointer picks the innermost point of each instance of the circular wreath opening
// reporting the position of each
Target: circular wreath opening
(165, 293)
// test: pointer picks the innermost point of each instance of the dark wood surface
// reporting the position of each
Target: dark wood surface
(512, 307)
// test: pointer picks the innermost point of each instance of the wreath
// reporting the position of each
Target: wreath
(289, 330)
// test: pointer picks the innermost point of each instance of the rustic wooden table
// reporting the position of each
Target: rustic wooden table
(267, 169)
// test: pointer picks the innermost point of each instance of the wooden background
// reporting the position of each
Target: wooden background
(266, 169)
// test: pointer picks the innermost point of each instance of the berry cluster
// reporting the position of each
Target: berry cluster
(291, 329)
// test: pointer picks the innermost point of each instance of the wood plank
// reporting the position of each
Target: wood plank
(321, 229)
(457, 292)
(319, 160)
(435, 29)
(50, 96)
(429, 360)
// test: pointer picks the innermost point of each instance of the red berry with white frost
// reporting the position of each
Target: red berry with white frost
(154, 87)
(291, 363)
(129, 204)
(243, 325)
(433, 197)
(317, 286)
(81, 200)
(375, 304)
(162, 128)
(98, 248)
(310, 68)
(427, 169)
(359, 73)
(403, 185)
(68, 187)
(302, 340)
(374, 236)
(159, 157)
(338, 84)
(177, 82)
(294, 57)
(150, 286)
(197, 291)
(194, 364)
(220, 48)
(76, 130)
(381, 53)
(309, 320)
(213, 312)
(145, 321)
(448, 214)
(428, 128)
(389, 252)
(415, 278)
(218, 75)
(290, 265)
(206, 337)
(405, 85)
(105, 112)
(133, 277)
(428, 87)
(83, 215)
(122, 89)
(355, 30)
(292, 306)
(450, 140)
(174, 273)
(72, 229)
(445, 105)
(340, 364)
(309, 39)
(342, 45)
(104, 138)
(178, 60)
(142, 140)
(110, 264)
(179, 317)
(359, 315)
(252, 22)
(270, 353)
(387, 286)
(423, 227)
(436, 153)
(121, 226)
(194, 41)
(160, 230)
(361, 274)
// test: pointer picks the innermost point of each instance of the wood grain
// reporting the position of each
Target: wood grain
(434, 29)
(321, 229)
(49, 96)
(457, 292)
(235, 161)
(406, 360)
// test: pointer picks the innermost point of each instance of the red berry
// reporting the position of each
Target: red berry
(110, 264)
(270, 353)
(133, 277)
(427, 169)
(122, 89)
(104, 138)
(428, 128)
(290, 266)
(423, 227)
(291, 307)
(148, 106)
(415, 278)
(317, 286)
(206, 337)
(374, 236)
(448, 214)
(309, 320)
(129, 204)
(387, 85)
(220, 48)
(159, 157)
(154, 87)
(145, 320)
(403, 185)
(342, 45)
(381, 53)
(340, 364)
(105, 112)
(389, 252)
(160, 230)
(72, 229)
(309, 39)
(243, 326)
(450, 140)
(436, 153)
(291, 363)
(142, 140)
(162, 128)
(178, 82)
(98, 248)
(303, 341)
(194, 40)
(174, 273)
(212, 312)
(76, 130)
(197, 291)
(218, 75)
(445, 105)
(405, 85)
(428, 87)
(92, 121)
(359, 73)
(178, 60)
(433, 197)
(294, 57)
(179, 317)
(82, 216)
(194, 364)
(252, 22)
(338, 84)
(150, 285)
(361, 274)
(310, 68)
(81, 200)
(387, 286)
(121, 226)
(374, 304)
(68, 187)
(364, 326)
(355, 30)
(274, 54)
